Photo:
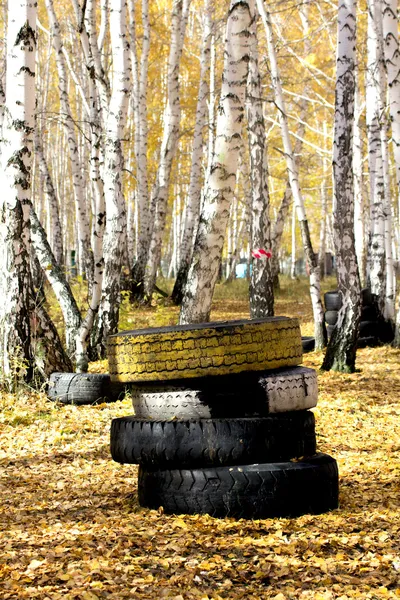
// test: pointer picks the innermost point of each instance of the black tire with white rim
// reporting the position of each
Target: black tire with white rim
(212, 442)
(258, 491)
(230, 396)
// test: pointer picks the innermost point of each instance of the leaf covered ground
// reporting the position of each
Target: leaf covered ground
(72, 529)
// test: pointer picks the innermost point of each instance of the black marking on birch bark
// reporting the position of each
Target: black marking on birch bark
(25, 36)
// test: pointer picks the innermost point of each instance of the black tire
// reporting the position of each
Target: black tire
(308, 343)
(385, 331)
(83, 388)
(259, 491)
(368, 313)
(331, 317)
(230, 396)
(212, 442)
(186, 351)
(366, 297)
(333, 300)
(368, 329)
(370, 342)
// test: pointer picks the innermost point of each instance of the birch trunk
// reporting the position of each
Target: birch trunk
(141, 143)
(315, 283)
(115, 232)
(85, 255)
(376, 257)
(203, 273)
(261, 290)
(169, 142)
(359, 200)
(16, 361)
(60, 286)
(194, 192)
(341, 351)
(56, 240)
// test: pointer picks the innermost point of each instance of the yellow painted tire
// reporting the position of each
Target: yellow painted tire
(218, 348)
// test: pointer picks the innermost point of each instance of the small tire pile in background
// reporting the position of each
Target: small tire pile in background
(83, 388)
(372, 331)
(232, 435)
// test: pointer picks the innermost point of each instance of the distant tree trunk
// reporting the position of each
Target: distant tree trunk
(141, 143)
(194, 192)
(375, 113)
(58, 282)
(359, 200)
(261, 282)
(169, 143)
(115, 232)
(341, 351)
(16, 360)
(293, 253)
(206, 260)
(85, 254)
(315, 283)
(56, 241)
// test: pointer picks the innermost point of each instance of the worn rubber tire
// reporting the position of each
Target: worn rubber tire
(82, 388)
(331, 317)
(368, 313)
(308, 343)
(230, 396)
(219, 348)
(259, 491)
(368, 329)
(212, 442)
(385, 332)
(332, 300)
(366, 297)
(370, 342)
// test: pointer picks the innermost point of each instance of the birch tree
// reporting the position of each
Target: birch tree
(261, 281)
(293, 174)
(169, 142)
(115, 232)
(374, 116)
(22, 323)
(194, 192)
(85, 254)
(140, 75)
(341, 351)
(203, 273)
(15, 173)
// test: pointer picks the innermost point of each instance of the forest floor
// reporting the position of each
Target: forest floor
(72, 529)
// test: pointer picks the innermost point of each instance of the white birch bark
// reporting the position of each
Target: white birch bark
(172, 115)
(86, 259)
(392, 61)
(58, 282)
(115, 233)
(359, 200)
(203, 273)
(194, 193)
(261, 292)
(374, 115)
(315, 283)
(16, 360)
(141, 143)
(341, 351)
(55, 231)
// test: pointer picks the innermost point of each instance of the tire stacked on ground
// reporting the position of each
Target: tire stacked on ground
(222, 424)
(83, 388)
(371, 330)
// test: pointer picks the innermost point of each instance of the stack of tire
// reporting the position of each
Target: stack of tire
(372, 331)
(222, 424)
